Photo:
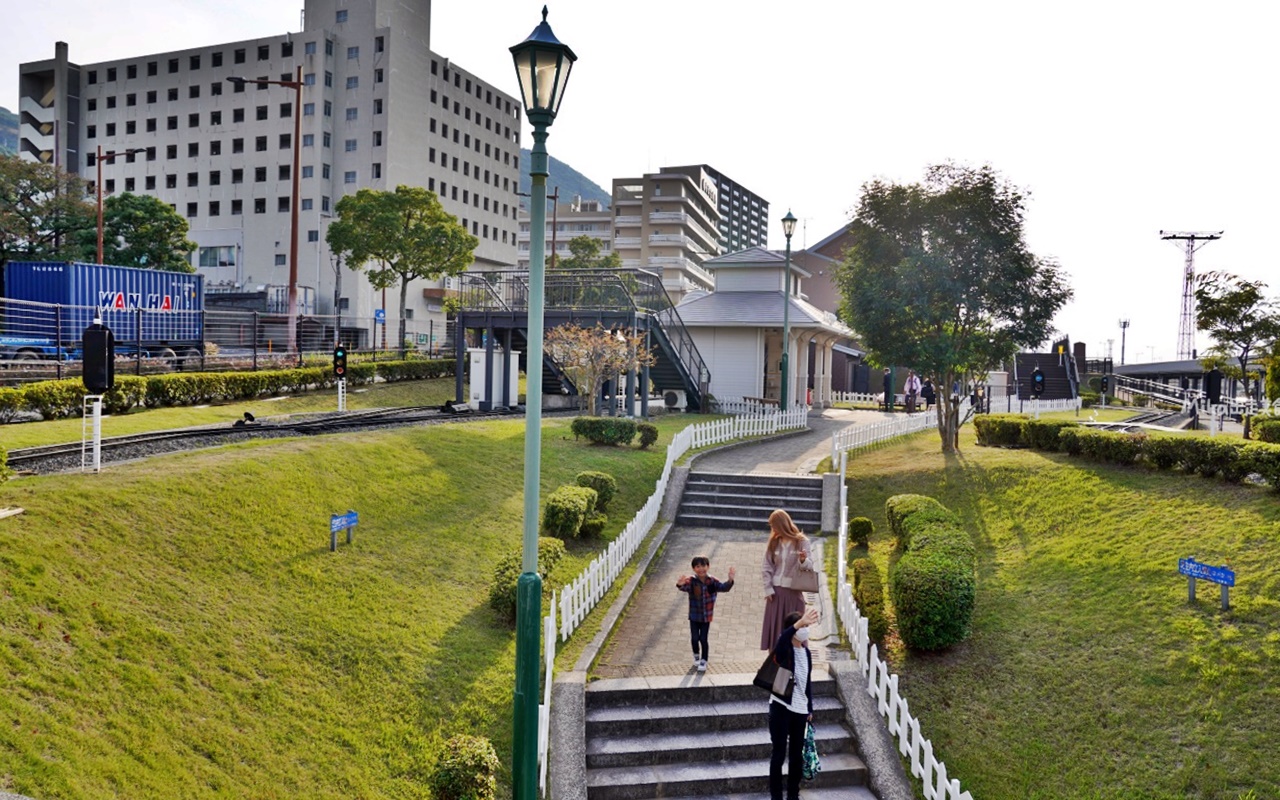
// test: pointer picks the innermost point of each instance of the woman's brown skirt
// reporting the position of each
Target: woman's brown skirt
(784, 602)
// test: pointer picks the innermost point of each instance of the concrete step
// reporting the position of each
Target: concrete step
(734, 745)
(727, 506)
(676, 689)
(684, 718)
(703, 779)
(751, 520)
(730, 479)
(755, 495)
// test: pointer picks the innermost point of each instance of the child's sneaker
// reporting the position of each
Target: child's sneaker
(702, 665)
(697, 662)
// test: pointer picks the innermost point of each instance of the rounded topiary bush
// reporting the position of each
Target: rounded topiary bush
(593, 525)
(648, 433)
(604, 430)
(933, 595)
(566, 509)
(466, 770)
(860, 530)
(1266, 429)
(604, 484)
(506, 575)
(868, 593)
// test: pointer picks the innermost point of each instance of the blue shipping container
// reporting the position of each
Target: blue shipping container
(167, 305)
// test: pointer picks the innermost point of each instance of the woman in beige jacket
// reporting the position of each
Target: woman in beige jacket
(786, 554)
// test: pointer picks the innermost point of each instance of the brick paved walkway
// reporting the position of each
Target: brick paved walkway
(653, 636)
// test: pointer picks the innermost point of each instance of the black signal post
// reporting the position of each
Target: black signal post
(1037, 381)
(99, 358)
(340, 362)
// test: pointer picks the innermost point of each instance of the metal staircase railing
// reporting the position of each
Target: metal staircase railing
(1123, 385)
(590, 290)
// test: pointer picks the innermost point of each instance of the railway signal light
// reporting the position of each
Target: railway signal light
(1037, 381)
(99, 358)
(1106, 383)
(340, 362)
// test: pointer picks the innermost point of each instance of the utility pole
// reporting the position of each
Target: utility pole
(1124, 329)
(1187, 323)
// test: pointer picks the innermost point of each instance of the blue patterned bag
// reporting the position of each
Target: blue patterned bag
(811, 764)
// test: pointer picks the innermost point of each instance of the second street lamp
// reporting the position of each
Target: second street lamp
(111, 154)
(542, 66)
(788, 228)
(296, 85)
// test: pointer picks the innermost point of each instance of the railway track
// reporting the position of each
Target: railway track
(61, 457)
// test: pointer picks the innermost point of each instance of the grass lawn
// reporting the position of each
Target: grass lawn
(1088, 674)
(382, 395)
(177, 627)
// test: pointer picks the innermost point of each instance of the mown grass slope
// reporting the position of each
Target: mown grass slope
(178, 627)
(1088, 674)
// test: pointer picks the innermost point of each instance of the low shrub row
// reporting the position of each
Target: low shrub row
(868, 593)
(64, 398)
(933, 585)
(573, 511)
(604, 430)
(1232, 459)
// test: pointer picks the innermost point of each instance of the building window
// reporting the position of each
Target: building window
(308, 140)
(377, 76)
(215, 117)
(237, 175)
(111, 129)
(193, 179)
(215, 208)
(308, 171)
(308, 109)
(130, 127)
(307, 203)
(193, 120)
(237, 145)
(353, 82)
(286, 141)
(286, 49)
(283, 172)
(192, 209)
(325, 171)
(341, 16)
(259, 174)
(238, 87)
(328, 78)
(377, 106)
(349, 177)
(260, 144)
(93, 104)
(111, 73)
(93, 76)
(431, 155)
(172, 94)
(173, 65)
(262, 87)
(215, 177)
(237, 207)
(260, 205)
(171, 151)
(377, 138)
(264, 52)
(130, 99)
(193, 149)
(280, 259)
(194, 62)
(151, 96)
(328, 108)
(282, 204)
(328, 47)
(150, 183)
(327, 139)
(128, 184)
(353, 114)
(171, 181)
(153, 68)
(260, 112)
(313, 236)
(286, 110)
(353, 52)
(376, 171)
(349, 145)
(324, 204)
(309, 79)
(215, 59)
(309, 48)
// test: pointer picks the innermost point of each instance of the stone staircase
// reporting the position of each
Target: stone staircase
(706, 736)
(712, 500)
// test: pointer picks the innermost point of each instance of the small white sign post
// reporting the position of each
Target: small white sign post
(342, 394)
(91, 433)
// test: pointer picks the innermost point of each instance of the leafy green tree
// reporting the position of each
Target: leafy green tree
(1239, 318)
(399, 236)
(42, 211)
(139, 230)
(940, 278)
(585, 254)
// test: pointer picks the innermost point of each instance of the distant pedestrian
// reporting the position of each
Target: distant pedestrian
(927, 393)
(912, 390)
(702, 590)
(791, 711)
(888, 390)
(785, 555)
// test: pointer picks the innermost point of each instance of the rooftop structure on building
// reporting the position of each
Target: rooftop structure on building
(567, 221)
(744, 215)
(379, 109)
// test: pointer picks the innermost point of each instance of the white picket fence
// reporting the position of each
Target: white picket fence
(1011, 404)
(581, 595)
(866, 435)
(544, 709)
(857, 398)
(882, 685)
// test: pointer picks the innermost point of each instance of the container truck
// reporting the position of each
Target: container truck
(47, 305)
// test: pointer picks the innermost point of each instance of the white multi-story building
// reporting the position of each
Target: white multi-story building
(673, 220)
(379, 109)
(568, 221)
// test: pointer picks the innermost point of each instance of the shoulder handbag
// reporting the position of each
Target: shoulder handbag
(773, 678)
(805, 581)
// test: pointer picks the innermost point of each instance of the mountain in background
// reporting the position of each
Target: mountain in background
(8, 131)
(569, 180)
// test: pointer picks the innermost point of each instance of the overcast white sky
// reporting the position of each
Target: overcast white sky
(1121, 119)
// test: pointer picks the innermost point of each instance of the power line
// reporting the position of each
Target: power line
(1187, 322)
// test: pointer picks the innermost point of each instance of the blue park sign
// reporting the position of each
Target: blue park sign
(380, 316)
(1194, 569)
(339, 522)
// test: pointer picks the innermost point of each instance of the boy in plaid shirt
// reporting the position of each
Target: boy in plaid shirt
(702, 590)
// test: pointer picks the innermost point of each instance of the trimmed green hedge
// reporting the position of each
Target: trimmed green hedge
(5, 472)
(604, 484)
(648, 434)
(868, 593)
(604, 430)
(933, 583)
(999, 430)
(65, 398)
(1267, 429)
(566, 509)
(467, 770)
(506, 576)
(860, 530)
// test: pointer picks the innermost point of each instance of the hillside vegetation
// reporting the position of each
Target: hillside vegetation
(1088, 674)
(177, 627)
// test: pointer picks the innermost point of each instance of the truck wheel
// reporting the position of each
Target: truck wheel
(166, 354)
(190, 360)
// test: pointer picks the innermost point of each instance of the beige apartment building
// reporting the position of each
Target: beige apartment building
(378, 107)
(671, 221)
(566, 221)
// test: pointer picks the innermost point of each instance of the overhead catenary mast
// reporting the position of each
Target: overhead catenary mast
(1187, 322)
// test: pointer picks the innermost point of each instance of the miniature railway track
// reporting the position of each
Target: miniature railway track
(59, 457)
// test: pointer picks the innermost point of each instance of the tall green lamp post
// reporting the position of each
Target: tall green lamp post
(542, 66)
(788, 228)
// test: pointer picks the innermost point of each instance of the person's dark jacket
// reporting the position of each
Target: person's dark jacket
(784, 653)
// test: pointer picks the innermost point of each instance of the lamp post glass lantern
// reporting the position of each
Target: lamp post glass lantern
(542, 65)
(788, 228)
(294, 202)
